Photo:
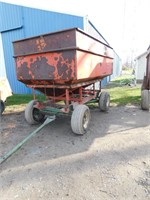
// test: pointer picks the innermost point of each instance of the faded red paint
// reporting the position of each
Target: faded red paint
(90, 66)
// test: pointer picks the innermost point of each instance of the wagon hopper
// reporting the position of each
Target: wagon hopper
(64, 66)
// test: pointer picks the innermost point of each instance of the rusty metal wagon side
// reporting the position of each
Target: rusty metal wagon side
(66, 66)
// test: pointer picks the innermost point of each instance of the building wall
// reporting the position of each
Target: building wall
(92, 30)
(117, 66)
(141, 67)
(19, 22)
(2, 62)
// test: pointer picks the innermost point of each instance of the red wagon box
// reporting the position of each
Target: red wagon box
(64, 66)
(65, 57)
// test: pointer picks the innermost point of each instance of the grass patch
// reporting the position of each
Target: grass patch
(19, 101)
(125, 95)
(123, 91)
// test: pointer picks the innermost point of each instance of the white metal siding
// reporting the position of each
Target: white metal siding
(141, 67)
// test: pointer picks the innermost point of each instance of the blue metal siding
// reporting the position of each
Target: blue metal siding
(19, 22)
(11, 17)
(8, 37)
(116, 66)
(40, 22)
(2, 62)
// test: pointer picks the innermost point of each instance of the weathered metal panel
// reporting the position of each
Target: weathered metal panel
(45, 68)
(62, 40)
(47, 42)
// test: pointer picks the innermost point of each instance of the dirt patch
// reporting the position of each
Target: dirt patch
(111, 161)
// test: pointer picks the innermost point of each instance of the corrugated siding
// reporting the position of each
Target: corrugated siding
(2, 62)
(11, 29)
(19, 22)
(117, 67)
(10, 16)
(8, 37)
(40, 22)
(141, 67)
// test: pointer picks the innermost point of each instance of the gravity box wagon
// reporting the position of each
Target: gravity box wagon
(67, 67)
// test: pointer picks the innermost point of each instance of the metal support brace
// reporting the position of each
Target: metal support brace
(18, 146)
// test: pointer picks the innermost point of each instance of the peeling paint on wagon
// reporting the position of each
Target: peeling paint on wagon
(46, 66)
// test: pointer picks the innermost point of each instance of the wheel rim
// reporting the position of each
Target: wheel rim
(37, 115)
(85, 121)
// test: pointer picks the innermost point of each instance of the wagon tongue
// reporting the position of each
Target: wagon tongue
(18, 146)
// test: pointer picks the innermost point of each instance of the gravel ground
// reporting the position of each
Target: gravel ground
(111, 161)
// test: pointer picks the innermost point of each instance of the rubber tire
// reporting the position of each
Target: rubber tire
(145, 99)
(2, 107)
(104, 101)
(77, 119)
(29, 114)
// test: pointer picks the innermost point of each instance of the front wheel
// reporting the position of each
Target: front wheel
(32, 114)
(80, 119)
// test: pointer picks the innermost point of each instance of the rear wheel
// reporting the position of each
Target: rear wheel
(2, 106)
(80, 119)
(145, 99)
(32, 114)
(104, 101)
